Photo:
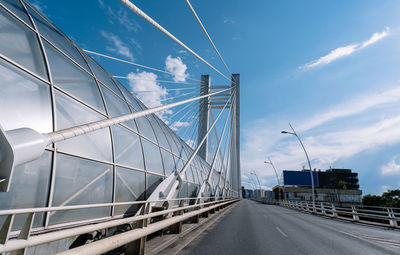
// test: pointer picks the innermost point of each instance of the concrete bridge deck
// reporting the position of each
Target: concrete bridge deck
(253, 228)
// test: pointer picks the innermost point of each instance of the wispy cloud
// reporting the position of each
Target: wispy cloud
(355, 106)
(391, 168)
(346, 50)
(329, 143)
(121, 16)
(118, 46)
(228, 20)
(179, 124)
(177, 67)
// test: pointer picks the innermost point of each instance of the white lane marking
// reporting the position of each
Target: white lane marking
(280, 231)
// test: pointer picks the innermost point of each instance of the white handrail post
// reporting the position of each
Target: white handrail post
(334, 212)
(392, 221)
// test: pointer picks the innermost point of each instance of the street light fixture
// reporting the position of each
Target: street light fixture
(276, 173)
(259, 185)
(309, 164)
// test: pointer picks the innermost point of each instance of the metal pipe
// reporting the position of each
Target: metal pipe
(18, 244)
(308, 160)
(113, 242)
(277, 178)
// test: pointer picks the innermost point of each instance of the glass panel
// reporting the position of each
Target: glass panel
(24, 100)
(29, 188)
(116, 107)
(152, 181)
(145, 128)
(130, 187)
(128, 150)
(162, 140)
(152, 157)
(57, 39)
(189, 174)
(71, 78)
(103, 76)
(129, 97)
(20, 44)
(172, 143)
(16, 7)
(192, 190)
(169, 164)
(79, 182)
(183, 190)
(72, 113)
(179, 164)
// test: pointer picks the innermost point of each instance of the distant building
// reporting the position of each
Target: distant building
(338, 186)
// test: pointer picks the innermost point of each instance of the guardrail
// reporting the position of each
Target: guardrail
(383, 216)
(144, 223)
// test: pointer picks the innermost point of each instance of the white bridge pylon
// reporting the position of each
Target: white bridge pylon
(228, 174)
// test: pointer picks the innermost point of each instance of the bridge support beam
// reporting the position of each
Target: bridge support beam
(203, 115)
(235, 136)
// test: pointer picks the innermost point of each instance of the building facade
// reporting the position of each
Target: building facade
(340, 186)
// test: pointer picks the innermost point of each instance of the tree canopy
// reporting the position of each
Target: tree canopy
(390, 198)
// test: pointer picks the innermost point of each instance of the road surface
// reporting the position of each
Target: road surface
(254, 228)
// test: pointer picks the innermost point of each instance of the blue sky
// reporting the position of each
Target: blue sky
(328, 67)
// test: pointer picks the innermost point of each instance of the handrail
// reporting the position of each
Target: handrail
(76, 207)
(25, 239)
(376, 217)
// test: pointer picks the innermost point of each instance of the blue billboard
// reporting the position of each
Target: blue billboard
(299, 178)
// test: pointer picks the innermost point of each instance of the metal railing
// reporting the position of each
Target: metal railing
(145, 222)
(383, 216)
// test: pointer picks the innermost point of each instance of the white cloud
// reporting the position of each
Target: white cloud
(355, 106)
(330, 142)
(39, 6)
(179, 124)
(228, 20)
(177, 67)
(191, 143)
(118, 45)
(346, 50)
(390, 168)
(121, 16)
(146, 81)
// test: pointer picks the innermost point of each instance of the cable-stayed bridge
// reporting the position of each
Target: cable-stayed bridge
(86, 166)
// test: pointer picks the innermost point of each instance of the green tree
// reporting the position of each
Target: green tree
(390, 198)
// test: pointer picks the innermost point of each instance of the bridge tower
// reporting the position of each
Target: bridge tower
(206, 105)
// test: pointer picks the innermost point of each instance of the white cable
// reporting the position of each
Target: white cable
(208, 36)
(139, 79)
(131, 63)
(159, 27)
(67, 133)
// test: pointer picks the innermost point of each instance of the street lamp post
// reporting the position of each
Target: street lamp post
(276, 173)
(308, 159)
(259, 185)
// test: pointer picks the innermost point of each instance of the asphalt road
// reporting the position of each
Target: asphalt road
(253, 228)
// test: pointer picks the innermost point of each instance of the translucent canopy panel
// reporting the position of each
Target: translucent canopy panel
(152, 181)
(29, 188)
(16, 8)
(168, 160)
(79, 182)
(130, 187)
(21, 44)
(24, 100)
(152, 156)
(127, 146)
(71, 113)
(103, 76)
(145, 129)
(162, 140)
(69, 77)
(116, 106)
(56, 38)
